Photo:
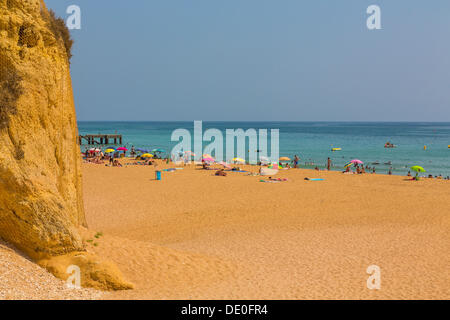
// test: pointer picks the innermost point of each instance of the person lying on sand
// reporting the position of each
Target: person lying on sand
(277, 179)
(221, 173)
(116, 163)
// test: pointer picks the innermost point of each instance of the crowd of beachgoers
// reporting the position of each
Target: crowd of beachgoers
(112, 157)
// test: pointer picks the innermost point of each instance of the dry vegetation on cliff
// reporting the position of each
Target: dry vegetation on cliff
(60, 31)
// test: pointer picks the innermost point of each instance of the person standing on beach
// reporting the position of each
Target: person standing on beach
(296, 160)
(329, 164)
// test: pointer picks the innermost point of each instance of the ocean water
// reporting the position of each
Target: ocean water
(313, 141)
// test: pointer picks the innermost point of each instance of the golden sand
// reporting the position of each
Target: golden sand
(194, 235)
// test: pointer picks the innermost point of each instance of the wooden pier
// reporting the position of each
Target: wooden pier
(100, 139)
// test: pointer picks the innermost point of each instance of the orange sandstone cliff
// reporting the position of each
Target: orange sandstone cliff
(41, 205)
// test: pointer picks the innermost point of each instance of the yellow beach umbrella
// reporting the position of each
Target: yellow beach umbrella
(147, 155)
(418, 169)
(110, 150)
(285, 159)
(238, 160)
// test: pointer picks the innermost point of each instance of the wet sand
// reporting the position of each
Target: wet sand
(194, 235)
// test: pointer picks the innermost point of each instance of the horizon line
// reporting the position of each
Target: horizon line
(287, 121)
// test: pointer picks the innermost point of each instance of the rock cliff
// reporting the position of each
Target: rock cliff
(41, 204)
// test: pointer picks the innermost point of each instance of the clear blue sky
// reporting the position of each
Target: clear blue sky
(296, 60)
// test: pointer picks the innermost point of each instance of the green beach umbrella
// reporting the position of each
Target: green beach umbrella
(418, 169)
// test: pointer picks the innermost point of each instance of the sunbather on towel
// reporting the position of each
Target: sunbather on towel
(221, 173)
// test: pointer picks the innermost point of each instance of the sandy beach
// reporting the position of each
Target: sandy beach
(194, 235)
(365, 96)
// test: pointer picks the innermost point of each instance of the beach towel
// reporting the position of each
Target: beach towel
(274, 180)
(314, 179)
(270, 181)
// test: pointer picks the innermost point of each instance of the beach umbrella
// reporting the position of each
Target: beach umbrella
(208, 159)
(238, 160)
(418, 169)
(122, 149)
(356, 161)
(348, 164)
(285, 159)
(143, 150)
(147, 155)
(110, 150)
(206, 155)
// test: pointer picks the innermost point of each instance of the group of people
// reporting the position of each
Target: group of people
(389, 145)
(359, 169)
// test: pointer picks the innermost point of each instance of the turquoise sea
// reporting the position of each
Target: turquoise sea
(313, 141)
